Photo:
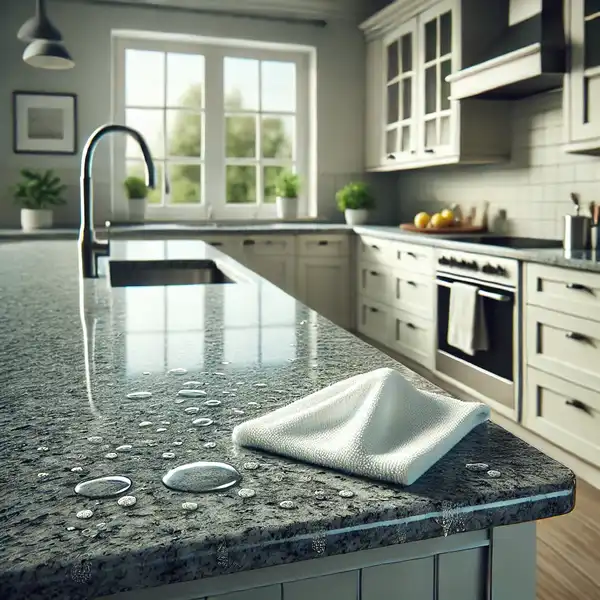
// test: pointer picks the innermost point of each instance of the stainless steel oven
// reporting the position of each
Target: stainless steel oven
(492, 373)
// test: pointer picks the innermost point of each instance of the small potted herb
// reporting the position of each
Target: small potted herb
(38, 193)
(355, 200)
(287, 188)
(137, 194)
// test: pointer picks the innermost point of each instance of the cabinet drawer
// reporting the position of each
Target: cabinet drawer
(374, 282)
(566, 290)
(375, 250)
(374, 320)
(413, 293)
(323, 245)
(564, 345)
(564, 413)
(268, 245)
(413, 257)
(412, 336)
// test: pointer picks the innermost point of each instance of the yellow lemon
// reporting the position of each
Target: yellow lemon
(448, 216)
(421, 220)
(437, 221)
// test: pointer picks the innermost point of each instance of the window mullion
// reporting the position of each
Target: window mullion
(163, 191)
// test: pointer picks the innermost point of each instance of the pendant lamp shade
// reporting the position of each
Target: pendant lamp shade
(44, 54)
(39, 27)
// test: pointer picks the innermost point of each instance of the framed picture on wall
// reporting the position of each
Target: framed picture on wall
(44, 123)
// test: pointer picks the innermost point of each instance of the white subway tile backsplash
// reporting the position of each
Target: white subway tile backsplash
(533, 188)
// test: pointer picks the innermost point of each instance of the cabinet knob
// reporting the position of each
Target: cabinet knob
(391, 156)
(249, 242)
(579, 405)
(375, 247)
(323, 242)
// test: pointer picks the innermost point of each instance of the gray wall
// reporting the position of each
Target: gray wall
(87, 29)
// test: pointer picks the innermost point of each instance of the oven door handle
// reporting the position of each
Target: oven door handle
(483, 293)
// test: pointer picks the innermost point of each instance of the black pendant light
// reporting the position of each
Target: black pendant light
(45, 49)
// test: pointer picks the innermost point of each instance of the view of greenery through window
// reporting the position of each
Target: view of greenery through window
(248, 157)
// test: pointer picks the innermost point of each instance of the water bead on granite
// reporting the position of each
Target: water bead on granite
(192, 383)
(210, 445)
(43, 448)
(477, 466)
(71, 528)
(177, 443)
(178, 371)
(345, 493)
(76, 469)
(161, 430)
(95, 439)
(145, 424)
(246, 493)
(238, 411)
(260, 385)
(146, 373)
(191, 410)
(103, 487)
(320, 494)
(101, 526)
(180, 400)
(168, 455)
(191, 393)
(253, 404)
(124, 448)
(202, 477)
(89, 532)
(212, 403)
(111, 455)
(287, 504)
(251, 466)
(218, 373)
(202, 422)
(127, 501)
(189, 506)
(85, 514)
(139, 395)
(493, 473)
(304, 478)
(42, 475)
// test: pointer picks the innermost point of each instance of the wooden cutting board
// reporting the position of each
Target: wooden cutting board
(443, 230)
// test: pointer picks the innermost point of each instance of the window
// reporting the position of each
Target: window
(222, 123)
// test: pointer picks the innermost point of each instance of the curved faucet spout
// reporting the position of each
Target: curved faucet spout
(90, 247)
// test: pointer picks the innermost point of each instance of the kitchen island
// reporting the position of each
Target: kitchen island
(72, 351)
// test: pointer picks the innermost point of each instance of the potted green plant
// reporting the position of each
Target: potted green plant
(137, 194)
(37, 193)
(355, 201)
(287, 188)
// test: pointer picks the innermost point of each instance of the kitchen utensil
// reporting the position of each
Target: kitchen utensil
(596, 214)
(577, 229)
(575, 199)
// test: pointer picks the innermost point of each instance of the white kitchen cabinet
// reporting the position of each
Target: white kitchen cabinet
(375, 282)
(412, 336)
(582, 82)
(411, 120)
(228, 244)
(374, 320)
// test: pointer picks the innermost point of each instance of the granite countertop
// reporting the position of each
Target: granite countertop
(64, 414)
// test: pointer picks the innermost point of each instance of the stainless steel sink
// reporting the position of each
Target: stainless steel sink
(126, 273)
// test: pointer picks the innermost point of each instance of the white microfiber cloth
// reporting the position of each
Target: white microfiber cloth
(466, 320)
(376, 425)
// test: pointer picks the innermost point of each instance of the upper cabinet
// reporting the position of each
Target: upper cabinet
(582, 83)
(411, 121)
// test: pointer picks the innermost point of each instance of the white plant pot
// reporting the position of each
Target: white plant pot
(287, 208)
(137, 210)
(32, 219)
(356, 216)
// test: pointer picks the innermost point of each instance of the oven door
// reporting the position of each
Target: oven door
(491, 373)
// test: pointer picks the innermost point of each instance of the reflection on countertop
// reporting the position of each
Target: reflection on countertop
(73, 350)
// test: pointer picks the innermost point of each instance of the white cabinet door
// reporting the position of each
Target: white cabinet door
(271, 592)
(437, 55)
(412, 579)
(279, 270)
(374, 104)
(323, 284)
(340, 586)
(375, 320)
(228, 244)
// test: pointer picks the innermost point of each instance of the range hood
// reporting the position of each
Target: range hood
(527, 56)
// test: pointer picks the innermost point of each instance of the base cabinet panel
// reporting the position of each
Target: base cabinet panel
(413, 580)
(462, 575)
(339, 586)
(271, 592)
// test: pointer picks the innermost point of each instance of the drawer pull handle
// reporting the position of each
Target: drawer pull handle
(249, 242)
(373, 309)
(374, 273)
(391, 156)
(580, 287)
(269, 242)
(216, 243)
(411, 326)
(411, 283)
(578, 337)
(411, 254)
(375, 247)
(579, 405)
(323, 242)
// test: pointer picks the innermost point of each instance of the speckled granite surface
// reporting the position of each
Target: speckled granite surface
(253, 348)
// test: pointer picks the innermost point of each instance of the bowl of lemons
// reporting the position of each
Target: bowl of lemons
(445, 221)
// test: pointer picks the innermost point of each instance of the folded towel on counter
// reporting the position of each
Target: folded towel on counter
(376, 425)
(466, 320)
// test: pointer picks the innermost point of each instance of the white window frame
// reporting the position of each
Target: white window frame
(214, 205)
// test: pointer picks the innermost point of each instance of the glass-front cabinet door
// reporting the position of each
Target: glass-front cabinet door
(400, 58)
(584, 72)
(437, 55)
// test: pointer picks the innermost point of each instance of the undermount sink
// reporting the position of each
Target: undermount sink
(126, 273)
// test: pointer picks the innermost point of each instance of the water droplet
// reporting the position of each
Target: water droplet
(278, 477)
(145, 424)
(146, 373)
(477, 466)
(43, 475)
(192, 383)
(161, 430)
(238, 411)
(76, 469)
(210, 445)
(191, 393)
(111, 455)
(192, 410)
(71, 528)
(43, 449)
(251, 466)
(494, 473)
(304, 478)
(303, 322)
(202, 477)
(103, 487)
(95, 439)
(346, 493)
(127, 501)
(320, 494)
(287, 504)
(218, 373)
(246, 493)
(178, 371)
(139, 395)
(225, 362)
(202, 422)
(180, 400)
(124, 448)
(165, 422)
(85, 514)
(177, 443)
(101, 526)
(239, 383)
(253, 404)
(261, 385)
(168, 455)
(88, 532)
(189, 506)
(225, 392)
(212, 403)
